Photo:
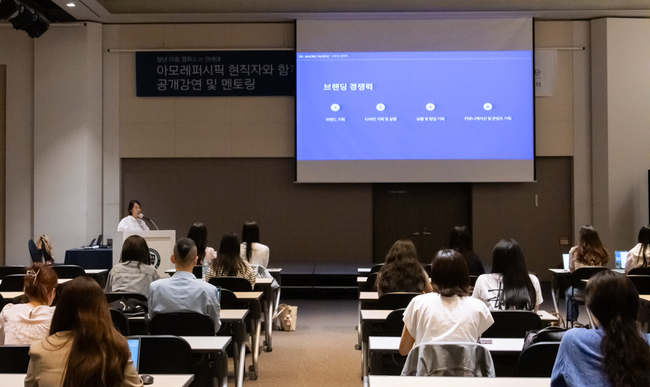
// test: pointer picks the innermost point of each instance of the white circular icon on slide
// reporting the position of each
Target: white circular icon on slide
(381, 107)
(430, 106)
(487, 106)
(335, 107)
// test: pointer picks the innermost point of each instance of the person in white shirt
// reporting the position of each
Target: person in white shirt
(639, 256)
(447, 314)
(509, 286)
(133, 221)
(199, 234)
(22, 324)
(251, 249)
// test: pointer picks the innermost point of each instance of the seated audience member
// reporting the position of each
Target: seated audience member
(614, 355)
(447, 314)
(44, 247)
(639, 256)
(461, 241)
(182, 292)
(229, 263)
(251, 249)
(199, 234)
(402, 271)
(509, 286)
(83, 348)
(589, 252)
(22, 324)
(134, 273)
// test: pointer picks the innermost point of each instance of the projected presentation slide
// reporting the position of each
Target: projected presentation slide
(451, 105)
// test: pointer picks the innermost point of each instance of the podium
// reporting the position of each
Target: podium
(161, 247)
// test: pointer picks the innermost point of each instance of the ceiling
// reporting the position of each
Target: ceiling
(181, 11)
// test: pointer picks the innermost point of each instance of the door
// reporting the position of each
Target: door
(423, 213)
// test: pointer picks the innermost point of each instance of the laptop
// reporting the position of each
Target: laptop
(134, 347)
(621, 259)
(565, 261)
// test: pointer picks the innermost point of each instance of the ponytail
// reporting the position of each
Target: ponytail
(614, 301)
(626, 354)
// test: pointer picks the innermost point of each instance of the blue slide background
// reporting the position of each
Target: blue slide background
(458, 83)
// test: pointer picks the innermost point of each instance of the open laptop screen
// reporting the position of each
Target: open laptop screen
(565, 261)
(621, 259)
(134, 347)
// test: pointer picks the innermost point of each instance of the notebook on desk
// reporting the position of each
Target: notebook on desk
(621, 259)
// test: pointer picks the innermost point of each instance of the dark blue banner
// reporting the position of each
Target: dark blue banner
(215, 73)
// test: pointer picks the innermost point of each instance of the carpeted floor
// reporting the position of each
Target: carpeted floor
(319, 353)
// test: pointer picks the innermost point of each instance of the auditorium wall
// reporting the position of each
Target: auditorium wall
(69, 163)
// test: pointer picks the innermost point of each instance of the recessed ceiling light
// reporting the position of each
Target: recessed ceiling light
(71, 5)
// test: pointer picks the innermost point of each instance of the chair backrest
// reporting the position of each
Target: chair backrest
(114, 296)
(181, 324)
(394, 323)
(14, 359)
(472, 280)
(640, 271)
(6, 270)
(370, 285)
(120, 322)
(583, 273)
(34, 252)
(449, 359)
(228, 300)
(165, 355)
(512, 323)
(100, 239)
(537, 360)
(68, 271)
(641, 282)
(197, 270)
(396, 300)
(236, 284)
(13, 283)
(376, 268)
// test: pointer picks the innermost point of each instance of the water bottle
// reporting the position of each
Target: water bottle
(205, 267)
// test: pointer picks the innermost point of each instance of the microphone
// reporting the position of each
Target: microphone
(141, 216)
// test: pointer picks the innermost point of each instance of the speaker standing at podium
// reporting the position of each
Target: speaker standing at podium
(133, 222)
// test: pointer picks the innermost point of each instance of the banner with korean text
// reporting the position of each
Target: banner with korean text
(215, 73)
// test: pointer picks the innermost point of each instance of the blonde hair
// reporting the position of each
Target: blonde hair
(43, 244)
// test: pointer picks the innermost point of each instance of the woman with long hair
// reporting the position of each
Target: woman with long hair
(402, 271)
(589, 252)
(83, 348)
(461, 241)
(134, 273)
(402, 249)
(251, 249)
(639, 256)
(199, 234)
(22, 324)
(616, 354)
(229, 263)
(509, 286)
(447, 314)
